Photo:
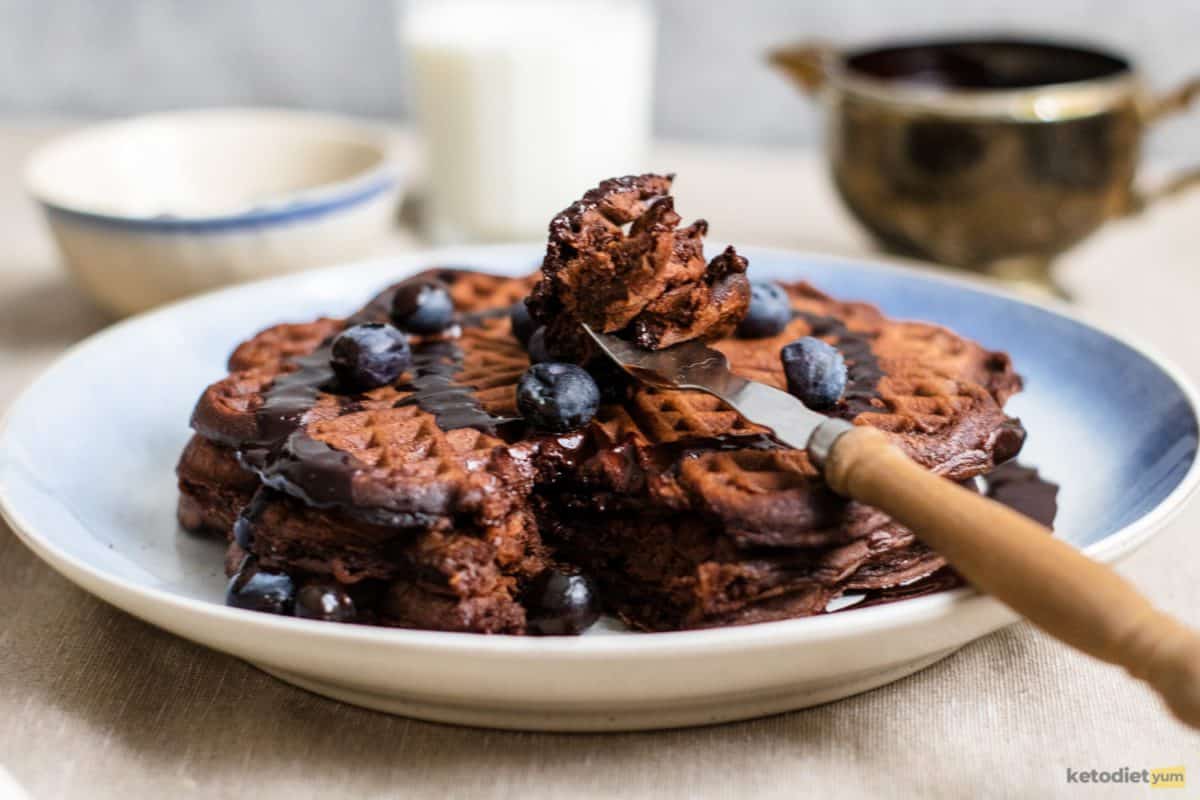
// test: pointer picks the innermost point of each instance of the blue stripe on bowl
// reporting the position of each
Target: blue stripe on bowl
(296, 211)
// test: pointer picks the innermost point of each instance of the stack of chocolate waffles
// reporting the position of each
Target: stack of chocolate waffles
(429, 502)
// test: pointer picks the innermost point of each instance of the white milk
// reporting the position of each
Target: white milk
(525, 104)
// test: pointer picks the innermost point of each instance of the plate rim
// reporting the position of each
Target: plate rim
(891, 616)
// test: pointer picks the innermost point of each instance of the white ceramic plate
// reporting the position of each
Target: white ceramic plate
(87, 481)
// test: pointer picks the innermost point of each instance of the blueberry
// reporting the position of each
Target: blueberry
(325, 601)
(816, 372)
(557, 397)
(536, 347)
(423, 307)
(243, 527)
(370, 355)
(769, 313)
(560, 604)
(523, 325)
(260, 591)
(243, 532)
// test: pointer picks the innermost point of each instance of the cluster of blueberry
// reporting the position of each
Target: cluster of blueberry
(552, 396)
(815, 370)
(375, 354)
(559, 603)
(557, 397)
(275, 593)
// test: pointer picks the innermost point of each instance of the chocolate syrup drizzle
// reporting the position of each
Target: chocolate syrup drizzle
(1020, 488)
(283, 454)
(432, 387)
(286, 458)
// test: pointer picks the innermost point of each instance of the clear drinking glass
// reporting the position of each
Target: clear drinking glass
(525, 104)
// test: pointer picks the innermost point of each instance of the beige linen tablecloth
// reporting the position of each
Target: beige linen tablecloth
(95, 704)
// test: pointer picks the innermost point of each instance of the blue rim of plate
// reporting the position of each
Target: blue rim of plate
(297, 209)
(817, 628)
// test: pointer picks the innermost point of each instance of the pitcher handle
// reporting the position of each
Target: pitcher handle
(1172, 102)
(808, 64)
(1165, 105)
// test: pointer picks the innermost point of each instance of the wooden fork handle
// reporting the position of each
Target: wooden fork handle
(1013, 558)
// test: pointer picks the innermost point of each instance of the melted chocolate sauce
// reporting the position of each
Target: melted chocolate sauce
(293, 395)
(1020, 488)
(435, 364)
(286, 458)
(673, 453)
(862, 368)
(282, 454)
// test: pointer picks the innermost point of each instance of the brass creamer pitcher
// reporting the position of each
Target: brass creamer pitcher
(989, 154)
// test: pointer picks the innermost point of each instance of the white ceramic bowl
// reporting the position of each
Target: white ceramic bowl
(153, 208)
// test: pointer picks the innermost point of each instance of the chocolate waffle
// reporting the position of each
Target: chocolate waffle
(434, 505)
(651, 281)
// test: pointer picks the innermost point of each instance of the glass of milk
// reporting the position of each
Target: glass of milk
(524, 105)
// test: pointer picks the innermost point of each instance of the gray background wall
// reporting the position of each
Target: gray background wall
(108, 57)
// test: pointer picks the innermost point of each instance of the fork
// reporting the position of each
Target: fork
(1000, 551)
